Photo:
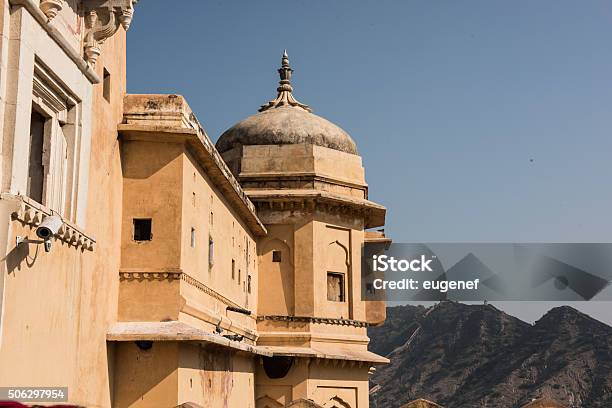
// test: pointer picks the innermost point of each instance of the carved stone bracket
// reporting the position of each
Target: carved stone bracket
(102, 20)
(51, 7)
(31, 213)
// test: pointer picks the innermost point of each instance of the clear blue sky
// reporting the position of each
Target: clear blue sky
(477, 120)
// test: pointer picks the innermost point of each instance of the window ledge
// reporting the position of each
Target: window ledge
(32, 213)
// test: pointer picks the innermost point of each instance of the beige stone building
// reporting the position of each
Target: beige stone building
(144, 266)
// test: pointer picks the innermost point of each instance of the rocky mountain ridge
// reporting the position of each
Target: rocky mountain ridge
(469, 356)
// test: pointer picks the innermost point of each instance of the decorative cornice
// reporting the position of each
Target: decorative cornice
(102, 20)
(285, 90)
(171, 275)
(142, 116)
(318, 320)
(33, 7)
(32, 213)
(289, 200)
(149, 276)
(51, 8)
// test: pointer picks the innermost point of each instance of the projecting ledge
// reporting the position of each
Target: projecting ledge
(340, 354)
(175, 331)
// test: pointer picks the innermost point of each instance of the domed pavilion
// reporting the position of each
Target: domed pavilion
(306, 179)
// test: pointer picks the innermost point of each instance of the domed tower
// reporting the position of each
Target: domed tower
(306, 179)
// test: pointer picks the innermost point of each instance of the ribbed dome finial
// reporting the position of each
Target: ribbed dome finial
(285, 90)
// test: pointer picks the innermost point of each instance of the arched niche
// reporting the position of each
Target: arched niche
(337, 283)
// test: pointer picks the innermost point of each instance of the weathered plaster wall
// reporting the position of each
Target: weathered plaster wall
(152, 188)
(57, 305)
(213, 377)
(175, 192)
(99, 274)
(148, 378)
(208, 212)
(279, 276)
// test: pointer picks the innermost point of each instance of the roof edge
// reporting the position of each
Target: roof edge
(147, 116)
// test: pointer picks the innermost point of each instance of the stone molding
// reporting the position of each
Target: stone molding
(209, 291)
(316, 320)
(32, 213)
(142, 116)
(102, 20)
(33, 7)
(309, 200)
(149, 276)
(171, 275)
(260, 179)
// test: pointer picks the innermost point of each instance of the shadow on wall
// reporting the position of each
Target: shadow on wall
(16, 256)
(132, 152)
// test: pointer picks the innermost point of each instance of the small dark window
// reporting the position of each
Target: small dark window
(335, 286)
(142, 229)
(233, 269)
(276, 256)
(193, 237)
(211, 252)
(249, 284)
(106, 85)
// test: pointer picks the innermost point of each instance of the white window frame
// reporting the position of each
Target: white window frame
(61, 141)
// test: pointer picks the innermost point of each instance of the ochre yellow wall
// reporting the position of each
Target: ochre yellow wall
(232, 239)
(147, 378)
(214, 377)
(164, 182)
(99, 273)
(152, 174)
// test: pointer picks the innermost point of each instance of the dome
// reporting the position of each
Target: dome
(284, 120)
(286, 125)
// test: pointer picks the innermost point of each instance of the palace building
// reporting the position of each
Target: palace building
(145, 266)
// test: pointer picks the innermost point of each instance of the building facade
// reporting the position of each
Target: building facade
(176, 272)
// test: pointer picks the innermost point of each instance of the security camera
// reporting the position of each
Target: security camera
(49, 227)
(46, 230)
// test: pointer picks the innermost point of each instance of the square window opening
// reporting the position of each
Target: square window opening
(277, 256)
(142, 229)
